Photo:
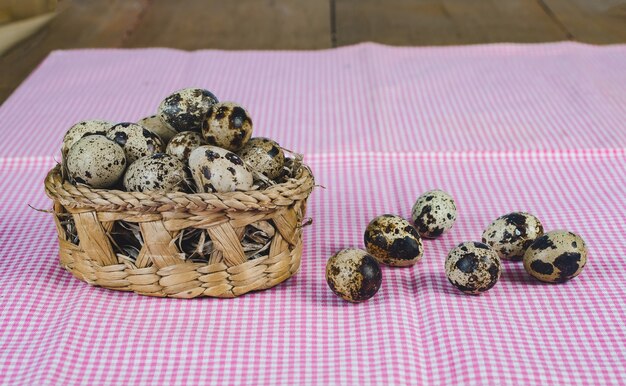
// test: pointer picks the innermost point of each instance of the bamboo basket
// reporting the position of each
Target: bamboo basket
(160, 269)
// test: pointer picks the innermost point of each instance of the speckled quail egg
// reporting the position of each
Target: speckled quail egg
(218, 170)
(182, 144)
(136, 140)
(160, 171)
(556, 257)
(227, 125)
(393, 241)
(96, 161)
(354, 275)
(264, 156)
(82, 129)
(156, 125)
(473, 267)
(186, 109)
(510, 235)
(434, 213)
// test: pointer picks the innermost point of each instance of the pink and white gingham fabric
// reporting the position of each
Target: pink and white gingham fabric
(540, 128)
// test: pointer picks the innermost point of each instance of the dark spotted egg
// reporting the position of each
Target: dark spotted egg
(96, 161)
(473, 267)
(182, 144)
(264, 156)
(434, 213)
(82, 129)
(218, 170)
(160, 171)
(227, 125)
(393, 241)
(354, 275)
(136, 140)
(186, 109)
(510, 235)
(556, 257)
(156, 125)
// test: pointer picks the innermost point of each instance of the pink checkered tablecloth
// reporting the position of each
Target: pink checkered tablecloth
(540, 128)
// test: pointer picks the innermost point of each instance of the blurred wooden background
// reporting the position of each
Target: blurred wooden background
(37, 27)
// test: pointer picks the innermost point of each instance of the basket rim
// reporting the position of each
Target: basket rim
(83, 197)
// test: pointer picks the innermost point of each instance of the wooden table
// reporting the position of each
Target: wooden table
(310, 24)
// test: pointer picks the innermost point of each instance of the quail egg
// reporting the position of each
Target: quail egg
(82, 129)
(354, 275)
(218, 170)
(186, 109)
(183, 143)
(264, 156)
(156, 125)
(434, 213)
(473, 267)
(510, 235)
(393, 241)
(227, 125)
(96, 161)
(159, 171)
(136, 140)
(556, 257)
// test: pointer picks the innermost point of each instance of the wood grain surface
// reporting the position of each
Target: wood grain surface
(428, 22)
(310, 24)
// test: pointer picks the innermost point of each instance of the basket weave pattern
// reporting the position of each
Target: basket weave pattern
(160, 268)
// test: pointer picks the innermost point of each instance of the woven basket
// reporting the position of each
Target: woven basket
(160, 269)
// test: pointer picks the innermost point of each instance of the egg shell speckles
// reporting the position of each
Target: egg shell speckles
(156, 125)
(82, 129)
(96, 161)
(218, 170)
(184, 143)
(354, 275)
(186, 109)
(510, 235)
(264, 156)
(161, 172)
(227, 125)
(434, 213)
(473, 267)
(136, 140)
(393, 241)
(556, 257)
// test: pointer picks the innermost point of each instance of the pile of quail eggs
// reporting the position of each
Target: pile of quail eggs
(193, 144)
(472, 267)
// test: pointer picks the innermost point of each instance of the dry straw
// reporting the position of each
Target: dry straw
(247, 241)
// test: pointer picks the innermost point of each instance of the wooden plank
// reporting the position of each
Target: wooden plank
(241, 24)
(432, 22)
(591, 21)
(79, 24)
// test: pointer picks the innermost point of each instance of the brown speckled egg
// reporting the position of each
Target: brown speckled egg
(354, 275)
(183, 144)
(473, 267)
(434, 213)
(264, 156)
(96, 161)
(156, 125)
(510, 235)
(136, 140)
(556, 257)
(218, 170)
(186, 109)
(227, 125)
(160, 171)
(393, 241)
(82, 129)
